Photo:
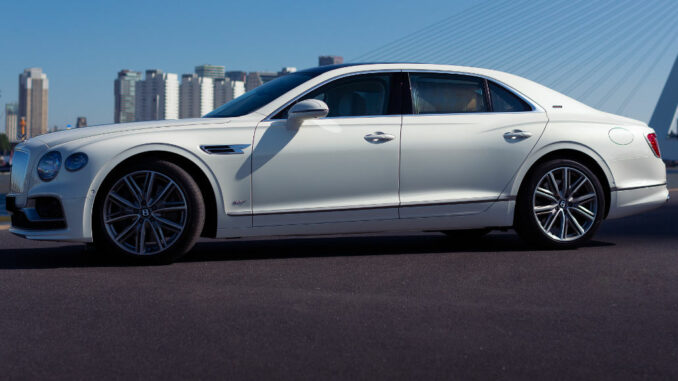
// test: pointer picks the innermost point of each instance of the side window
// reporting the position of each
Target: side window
(434, 93)
(505, 101)
(358, 95)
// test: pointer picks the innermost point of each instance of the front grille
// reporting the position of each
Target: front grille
(17, 178)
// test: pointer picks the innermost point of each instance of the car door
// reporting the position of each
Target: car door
(462, 144)
(343, 167)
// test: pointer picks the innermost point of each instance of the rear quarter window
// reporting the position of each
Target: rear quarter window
(504, 100)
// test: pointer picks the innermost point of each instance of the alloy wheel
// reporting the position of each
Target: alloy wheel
(565, 204)
(145, 212)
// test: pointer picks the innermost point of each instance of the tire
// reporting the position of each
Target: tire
(547, 217)
(467, 234)
(151, 212)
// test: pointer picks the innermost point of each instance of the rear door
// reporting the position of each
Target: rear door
(462, 144)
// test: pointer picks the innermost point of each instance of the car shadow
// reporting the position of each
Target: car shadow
(274, 139)
(74, 256)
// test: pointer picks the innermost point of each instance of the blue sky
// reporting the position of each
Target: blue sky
(606, 53)
(81, 45)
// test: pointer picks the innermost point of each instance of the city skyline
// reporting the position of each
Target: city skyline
(82, 58)
(81, 45)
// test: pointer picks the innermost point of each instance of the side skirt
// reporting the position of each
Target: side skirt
(498, 213)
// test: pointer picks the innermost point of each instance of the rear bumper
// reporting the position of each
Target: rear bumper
(626, 202)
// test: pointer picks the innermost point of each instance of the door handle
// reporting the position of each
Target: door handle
(379, 137)
(517, 135)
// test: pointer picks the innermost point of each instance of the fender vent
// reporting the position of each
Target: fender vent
(232, 149)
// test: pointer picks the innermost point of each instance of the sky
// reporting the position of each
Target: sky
(611, 54)
(81, 45)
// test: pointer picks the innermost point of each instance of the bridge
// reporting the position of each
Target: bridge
(619, 56)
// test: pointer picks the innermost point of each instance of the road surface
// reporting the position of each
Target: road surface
(395, 306)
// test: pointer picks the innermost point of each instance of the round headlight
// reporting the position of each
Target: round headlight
(75, 162)
(48, 166)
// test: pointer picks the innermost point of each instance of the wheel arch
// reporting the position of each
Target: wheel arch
(195, 167)
(577, 152)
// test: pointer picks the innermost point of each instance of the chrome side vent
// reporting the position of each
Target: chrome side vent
(231, 149)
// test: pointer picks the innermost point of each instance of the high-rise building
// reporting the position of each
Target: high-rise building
(226, 90)
(33, 94)
(196, 96)
(287, 70)
(81, 122)
(210, 71)
(257, 78)
(236, 75)
(157, 96)
(125, 96)
(330, 60)
(12, 121)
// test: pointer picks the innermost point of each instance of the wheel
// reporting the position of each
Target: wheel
(150, 212)
(467, 234)
(560, 206)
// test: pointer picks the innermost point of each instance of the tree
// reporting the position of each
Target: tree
(5, 147)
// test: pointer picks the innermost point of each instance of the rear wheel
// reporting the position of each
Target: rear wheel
(560, 206)
(152, 212)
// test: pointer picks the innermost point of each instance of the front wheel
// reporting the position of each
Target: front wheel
(150, 212)
(560, 206)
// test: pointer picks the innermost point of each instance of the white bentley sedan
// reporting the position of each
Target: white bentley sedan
(344, 149)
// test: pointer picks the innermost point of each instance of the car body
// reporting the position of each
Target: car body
(442, 148)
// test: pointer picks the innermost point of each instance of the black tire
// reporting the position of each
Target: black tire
(531, 228)
(467, 234)
(178, 243)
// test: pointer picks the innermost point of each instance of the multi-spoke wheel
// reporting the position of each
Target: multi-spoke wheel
(561, 204)
(152, 210)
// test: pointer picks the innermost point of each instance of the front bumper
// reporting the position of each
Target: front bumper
(46, 217)
(626, 202)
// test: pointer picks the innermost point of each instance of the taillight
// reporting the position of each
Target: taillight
(652, 141)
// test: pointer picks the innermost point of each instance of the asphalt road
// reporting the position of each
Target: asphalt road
(397, 306)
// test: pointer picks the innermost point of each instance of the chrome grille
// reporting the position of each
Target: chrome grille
(17, 179)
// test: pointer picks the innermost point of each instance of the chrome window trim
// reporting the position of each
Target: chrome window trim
(534, 105)
(274, 113)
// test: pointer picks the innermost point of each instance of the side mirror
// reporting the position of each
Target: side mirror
(306, 109)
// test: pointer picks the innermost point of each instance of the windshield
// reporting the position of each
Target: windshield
(262, 95)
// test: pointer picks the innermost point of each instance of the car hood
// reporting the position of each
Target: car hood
(60, 137)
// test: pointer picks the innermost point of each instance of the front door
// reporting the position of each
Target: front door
(329, 169)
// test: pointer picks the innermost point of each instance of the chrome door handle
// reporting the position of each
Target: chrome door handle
(517, 135)
(379, 137)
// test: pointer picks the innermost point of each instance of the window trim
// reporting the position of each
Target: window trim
(535, 107)
(489, 97)
(484, 87)
(406, 98)
(271, 116)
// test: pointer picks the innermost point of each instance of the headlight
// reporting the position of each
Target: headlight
(75, 162)
(48, 166)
